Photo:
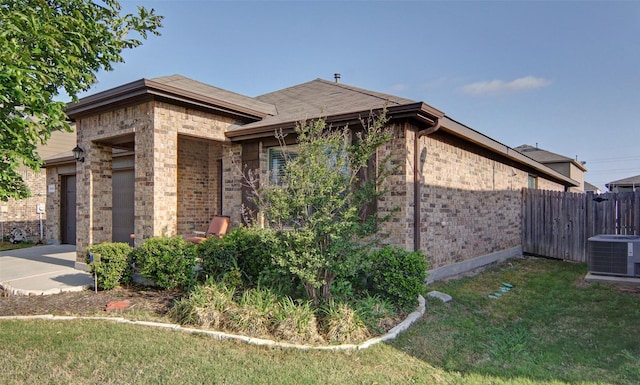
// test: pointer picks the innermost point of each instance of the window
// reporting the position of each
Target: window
(278, 159)
(533, 181)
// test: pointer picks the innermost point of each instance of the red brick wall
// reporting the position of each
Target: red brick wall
(470, 200)
(198, 184)
(22, 213)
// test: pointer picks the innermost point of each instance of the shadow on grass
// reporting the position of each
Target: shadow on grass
(553, 327)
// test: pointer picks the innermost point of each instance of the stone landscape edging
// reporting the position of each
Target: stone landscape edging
(29, 292)
(390, 335)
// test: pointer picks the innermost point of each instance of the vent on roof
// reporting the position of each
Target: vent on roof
(337, 77)
(614, 255)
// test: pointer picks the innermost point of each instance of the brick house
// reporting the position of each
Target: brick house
(21, 213)
(161, 157)
(566, 166)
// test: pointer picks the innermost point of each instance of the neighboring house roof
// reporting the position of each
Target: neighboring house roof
(175, 88)
(60, 141)
(545, 157)
(631, 181)
(58, 147)
(590, 187)
(64, 157)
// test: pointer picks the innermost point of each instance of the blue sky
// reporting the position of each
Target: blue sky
(564, 75)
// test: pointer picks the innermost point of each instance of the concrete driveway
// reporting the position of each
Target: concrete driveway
(41, 270)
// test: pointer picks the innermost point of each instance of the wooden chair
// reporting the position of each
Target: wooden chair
(217, 228)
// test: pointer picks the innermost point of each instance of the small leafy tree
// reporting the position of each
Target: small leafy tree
(46, 47)
(319, 199)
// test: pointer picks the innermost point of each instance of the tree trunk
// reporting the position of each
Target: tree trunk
(312, 293)
(329, 277)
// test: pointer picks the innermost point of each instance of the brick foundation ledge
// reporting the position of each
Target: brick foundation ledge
(472, 264)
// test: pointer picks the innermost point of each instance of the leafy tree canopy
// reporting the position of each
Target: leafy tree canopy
(46, 47)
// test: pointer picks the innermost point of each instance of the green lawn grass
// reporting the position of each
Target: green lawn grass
(552, 328)
(11, 246)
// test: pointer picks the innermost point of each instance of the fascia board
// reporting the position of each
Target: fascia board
(145, 87)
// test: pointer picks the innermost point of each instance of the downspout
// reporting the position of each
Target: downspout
(416, 182)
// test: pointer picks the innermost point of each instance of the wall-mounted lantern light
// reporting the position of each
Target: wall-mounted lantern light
(78, 153)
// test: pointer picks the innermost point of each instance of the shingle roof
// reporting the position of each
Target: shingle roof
(284, 108)
(540, 155)
(320, 98)
(544, 156)
(209, 91)
(590, 187)
(630, 181)
(60, 141)
(178, 89)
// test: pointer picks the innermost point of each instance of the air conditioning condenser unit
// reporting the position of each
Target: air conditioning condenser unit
(614, 255)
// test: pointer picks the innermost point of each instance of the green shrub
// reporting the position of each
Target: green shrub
(398, 274)
(168, 262)
(280, 282)
(245, 249)
(342, 289)
(231, 278)
(109, 263)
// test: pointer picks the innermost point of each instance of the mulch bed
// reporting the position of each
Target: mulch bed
(89, 303)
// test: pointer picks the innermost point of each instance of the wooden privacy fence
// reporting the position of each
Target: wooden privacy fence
(558, 224)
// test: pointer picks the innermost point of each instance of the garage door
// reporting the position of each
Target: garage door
(123, 198)
(68, 210)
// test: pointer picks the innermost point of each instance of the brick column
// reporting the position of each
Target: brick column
(52, 226)
(156, 198)
(93, 197)
(398, 230)
(232, 182)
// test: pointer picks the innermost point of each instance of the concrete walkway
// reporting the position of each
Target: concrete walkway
(41, 270)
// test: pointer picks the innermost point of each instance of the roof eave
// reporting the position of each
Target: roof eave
(58, 161)
(419, 110)
(484, 141)
(146, 89)
(105, 99)
(579, 165)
